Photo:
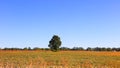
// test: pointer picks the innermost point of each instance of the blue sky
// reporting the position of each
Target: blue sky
(79, 23)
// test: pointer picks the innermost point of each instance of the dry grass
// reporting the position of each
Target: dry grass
(62, 59)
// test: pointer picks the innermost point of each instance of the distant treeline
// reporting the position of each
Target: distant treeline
(66, 48)
(90, 49)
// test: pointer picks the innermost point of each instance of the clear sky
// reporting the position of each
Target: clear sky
(79, 23)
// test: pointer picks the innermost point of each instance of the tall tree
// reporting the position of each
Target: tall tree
(55, 43)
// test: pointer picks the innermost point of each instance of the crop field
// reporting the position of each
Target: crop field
(61, 59)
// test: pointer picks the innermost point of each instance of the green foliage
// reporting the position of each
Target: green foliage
(78, 48)
(25, 48)
(55, 43)
(65, 49)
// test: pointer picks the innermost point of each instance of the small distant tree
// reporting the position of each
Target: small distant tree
(25, 48)
(55, 43)
(78, 48)
(64, 48)
(89, 49)
(29, 48)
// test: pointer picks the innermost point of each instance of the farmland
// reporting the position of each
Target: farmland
(61, 59)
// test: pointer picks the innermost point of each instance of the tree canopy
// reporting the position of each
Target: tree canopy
(55, 43)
